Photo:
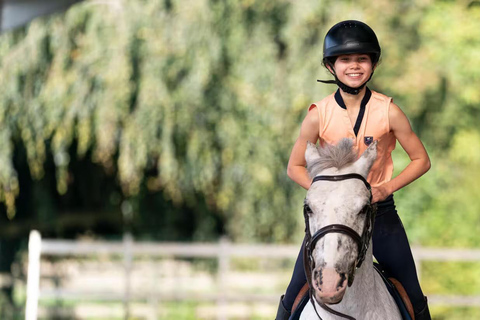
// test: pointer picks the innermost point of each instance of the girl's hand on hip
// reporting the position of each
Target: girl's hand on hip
(379, 193)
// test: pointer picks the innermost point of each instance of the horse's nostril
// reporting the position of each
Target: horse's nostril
(317, 277)
(343, 277)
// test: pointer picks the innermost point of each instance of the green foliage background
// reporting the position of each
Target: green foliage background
(190, 108)
(205, 98)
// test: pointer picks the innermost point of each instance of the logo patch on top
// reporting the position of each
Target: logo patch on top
(368, 140)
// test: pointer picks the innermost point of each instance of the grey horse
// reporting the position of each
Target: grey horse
(335, 254)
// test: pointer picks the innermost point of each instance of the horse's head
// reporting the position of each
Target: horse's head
(330, 205)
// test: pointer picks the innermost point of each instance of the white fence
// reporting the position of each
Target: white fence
(223, 251)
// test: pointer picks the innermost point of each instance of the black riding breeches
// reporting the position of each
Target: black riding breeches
(390, 248)
(296, 283)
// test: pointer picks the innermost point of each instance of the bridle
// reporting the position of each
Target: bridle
(362, 241)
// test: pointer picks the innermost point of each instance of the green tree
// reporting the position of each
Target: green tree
(202, 100)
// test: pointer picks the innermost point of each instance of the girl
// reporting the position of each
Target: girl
(351, 52)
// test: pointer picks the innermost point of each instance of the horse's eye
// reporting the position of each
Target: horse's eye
(307, 209)
(364, 210)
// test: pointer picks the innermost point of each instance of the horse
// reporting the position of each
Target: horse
(339, 221)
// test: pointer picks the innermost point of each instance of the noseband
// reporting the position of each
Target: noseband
(362, 241)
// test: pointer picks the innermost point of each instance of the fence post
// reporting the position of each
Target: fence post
(223, 269)
(33, 277)
(127, 260)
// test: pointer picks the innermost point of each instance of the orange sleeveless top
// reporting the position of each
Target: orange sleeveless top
(334, 124)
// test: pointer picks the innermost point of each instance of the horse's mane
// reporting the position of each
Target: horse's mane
(338, 156)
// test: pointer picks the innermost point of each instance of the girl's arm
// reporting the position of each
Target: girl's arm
(420, 162)
(296, 164)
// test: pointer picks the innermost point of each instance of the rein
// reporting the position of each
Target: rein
(362, 241)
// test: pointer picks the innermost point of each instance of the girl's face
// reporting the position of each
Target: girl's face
(353, 69)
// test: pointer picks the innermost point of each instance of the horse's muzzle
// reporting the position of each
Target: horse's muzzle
(329, 285)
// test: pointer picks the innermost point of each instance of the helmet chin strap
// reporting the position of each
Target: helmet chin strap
(343, 86)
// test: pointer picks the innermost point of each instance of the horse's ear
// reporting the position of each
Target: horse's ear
(366, 160)
(311, 154)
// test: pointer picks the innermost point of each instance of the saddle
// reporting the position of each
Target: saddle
(393, 285)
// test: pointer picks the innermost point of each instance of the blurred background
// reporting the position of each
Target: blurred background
(147, 143)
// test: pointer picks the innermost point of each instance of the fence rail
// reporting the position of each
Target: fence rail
(223, 251)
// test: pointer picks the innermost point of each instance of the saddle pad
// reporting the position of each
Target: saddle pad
(394, 293)
(303, 298)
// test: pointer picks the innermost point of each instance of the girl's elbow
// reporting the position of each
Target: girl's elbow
(290, 172)
(428, 164)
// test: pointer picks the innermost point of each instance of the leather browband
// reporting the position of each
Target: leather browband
(343, 177)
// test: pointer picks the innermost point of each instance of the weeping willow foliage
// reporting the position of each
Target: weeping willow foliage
(210, 94)
(193, 89)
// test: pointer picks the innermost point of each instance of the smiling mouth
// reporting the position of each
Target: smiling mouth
(354, 75)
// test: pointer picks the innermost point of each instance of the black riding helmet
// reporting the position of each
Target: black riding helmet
(348, 37)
